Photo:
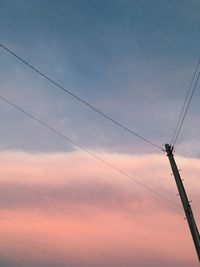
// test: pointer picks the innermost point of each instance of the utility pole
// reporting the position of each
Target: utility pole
(183, 196)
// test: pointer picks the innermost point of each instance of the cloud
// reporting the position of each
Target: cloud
(129, 60)
(68, 209)
(126, 58)
(96, 196)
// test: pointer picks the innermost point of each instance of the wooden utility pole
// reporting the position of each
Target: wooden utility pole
(183, 196)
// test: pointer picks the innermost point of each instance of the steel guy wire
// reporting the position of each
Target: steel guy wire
(184, 104)
(80, 99)
(52, 129)
(186, 110)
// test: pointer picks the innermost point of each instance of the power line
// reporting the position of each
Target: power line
(184, 104)
(85, 149)
(184, 113)
(80, 99)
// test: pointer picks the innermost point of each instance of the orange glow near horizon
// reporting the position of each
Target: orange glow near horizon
(71, 210)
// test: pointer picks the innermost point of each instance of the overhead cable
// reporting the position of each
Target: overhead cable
(52, 129)
(80, 99)
(185, 107)
(184, 104)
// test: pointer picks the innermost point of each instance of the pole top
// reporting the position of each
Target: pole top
(169, 149)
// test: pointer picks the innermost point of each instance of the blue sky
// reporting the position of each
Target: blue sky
(132, 59)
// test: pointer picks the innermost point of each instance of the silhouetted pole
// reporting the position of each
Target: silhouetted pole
(186, 205)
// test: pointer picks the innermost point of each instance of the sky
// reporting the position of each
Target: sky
(133, 60)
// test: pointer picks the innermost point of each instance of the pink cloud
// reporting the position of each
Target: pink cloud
(67, 209)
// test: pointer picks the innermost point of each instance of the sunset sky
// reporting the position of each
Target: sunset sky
(133, 60)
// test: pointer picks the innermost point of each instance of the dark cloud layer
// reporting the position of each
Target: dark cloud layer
(125, 57)
(107, 261)
(23, 196)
